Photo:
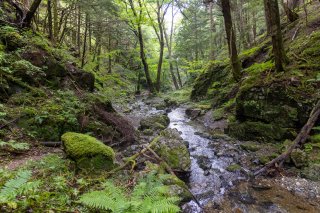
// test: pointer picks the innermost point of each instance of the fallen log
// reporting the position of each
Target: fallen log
(299, 140)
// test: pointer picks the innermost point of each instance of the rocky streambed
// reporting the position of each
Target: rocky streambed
(220, 170)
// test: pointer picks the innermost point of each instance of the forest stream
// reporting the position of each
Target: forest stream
(217, 188)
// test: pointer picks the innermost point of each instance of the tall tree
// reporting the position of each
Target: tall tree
(137, 29)
(231, 38)
(274, 30)
(168, 39)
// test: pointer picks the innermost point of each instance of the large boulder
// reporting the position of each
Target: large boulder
(173, 150)
(277, 106)
(154, 122)
(88, 152)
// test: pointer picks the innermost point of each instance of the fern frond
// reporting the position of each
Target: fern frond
(14, 187)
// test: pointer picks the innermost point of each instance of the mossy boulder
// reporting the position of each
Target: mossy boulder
(155, 122)
(299, 158)
(88, 152)
(213, 72)
(173, 150)
(277, 105)
(260, 131)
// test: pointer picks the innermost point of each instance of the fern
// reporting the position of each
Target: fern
(149, 196)
(13, 187)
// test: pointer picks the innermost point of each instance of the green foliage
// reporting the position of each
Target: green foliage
(148, 196)
(49, 118)
(11, 37)
(20, 185)
(260, 67)
(25, 68)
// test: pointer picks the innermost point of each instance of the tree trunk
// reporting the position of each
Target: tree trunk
(274, 29)
(30, 14)
(139, 34)
(109, 54)
(79, 31)
(50, 20)
(212, 31)
(85, 41)
(178, 74)
(231, 38)
(169, 46)
(55, 20)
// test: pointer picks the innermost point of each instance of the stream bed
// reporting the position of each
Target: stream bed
(218, 189)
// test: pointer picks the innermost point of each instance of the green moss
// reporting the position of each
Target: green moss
(80, 145)
(89, 153)
(315, 138)
(263, 132)
(218, 114)
(173, 150)
(11, 38)
(156, 122)
(250, 146)
(233, 168)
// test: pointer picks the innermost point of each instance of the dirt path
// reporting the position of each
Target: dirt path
(12, 162)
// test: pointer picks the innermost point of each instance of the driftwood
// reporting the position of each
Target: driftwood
(299, 140)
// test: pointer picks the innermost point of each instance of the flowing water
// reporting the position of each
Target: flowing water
(219, 190)
(210, 182)
(226, 191)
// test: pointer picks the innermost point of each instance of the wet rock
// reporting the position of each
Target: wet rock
(243, 197)
(155, 122)
(299, 158)
(312, 172)
(204, 162)
(203, 135)
(173, 150)
(193, 113)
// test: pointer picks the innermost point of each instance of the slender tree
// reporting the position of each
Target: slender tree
(274, 30)
(231, 38)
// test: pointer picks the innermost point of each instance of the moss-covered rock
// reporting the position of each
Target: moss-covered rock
(155, 122)
(299, 158)
(260, 131)
(250, 146)
(233, 168)
(173, 150)
(214, 72)
(87, 151)
(11, 38)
